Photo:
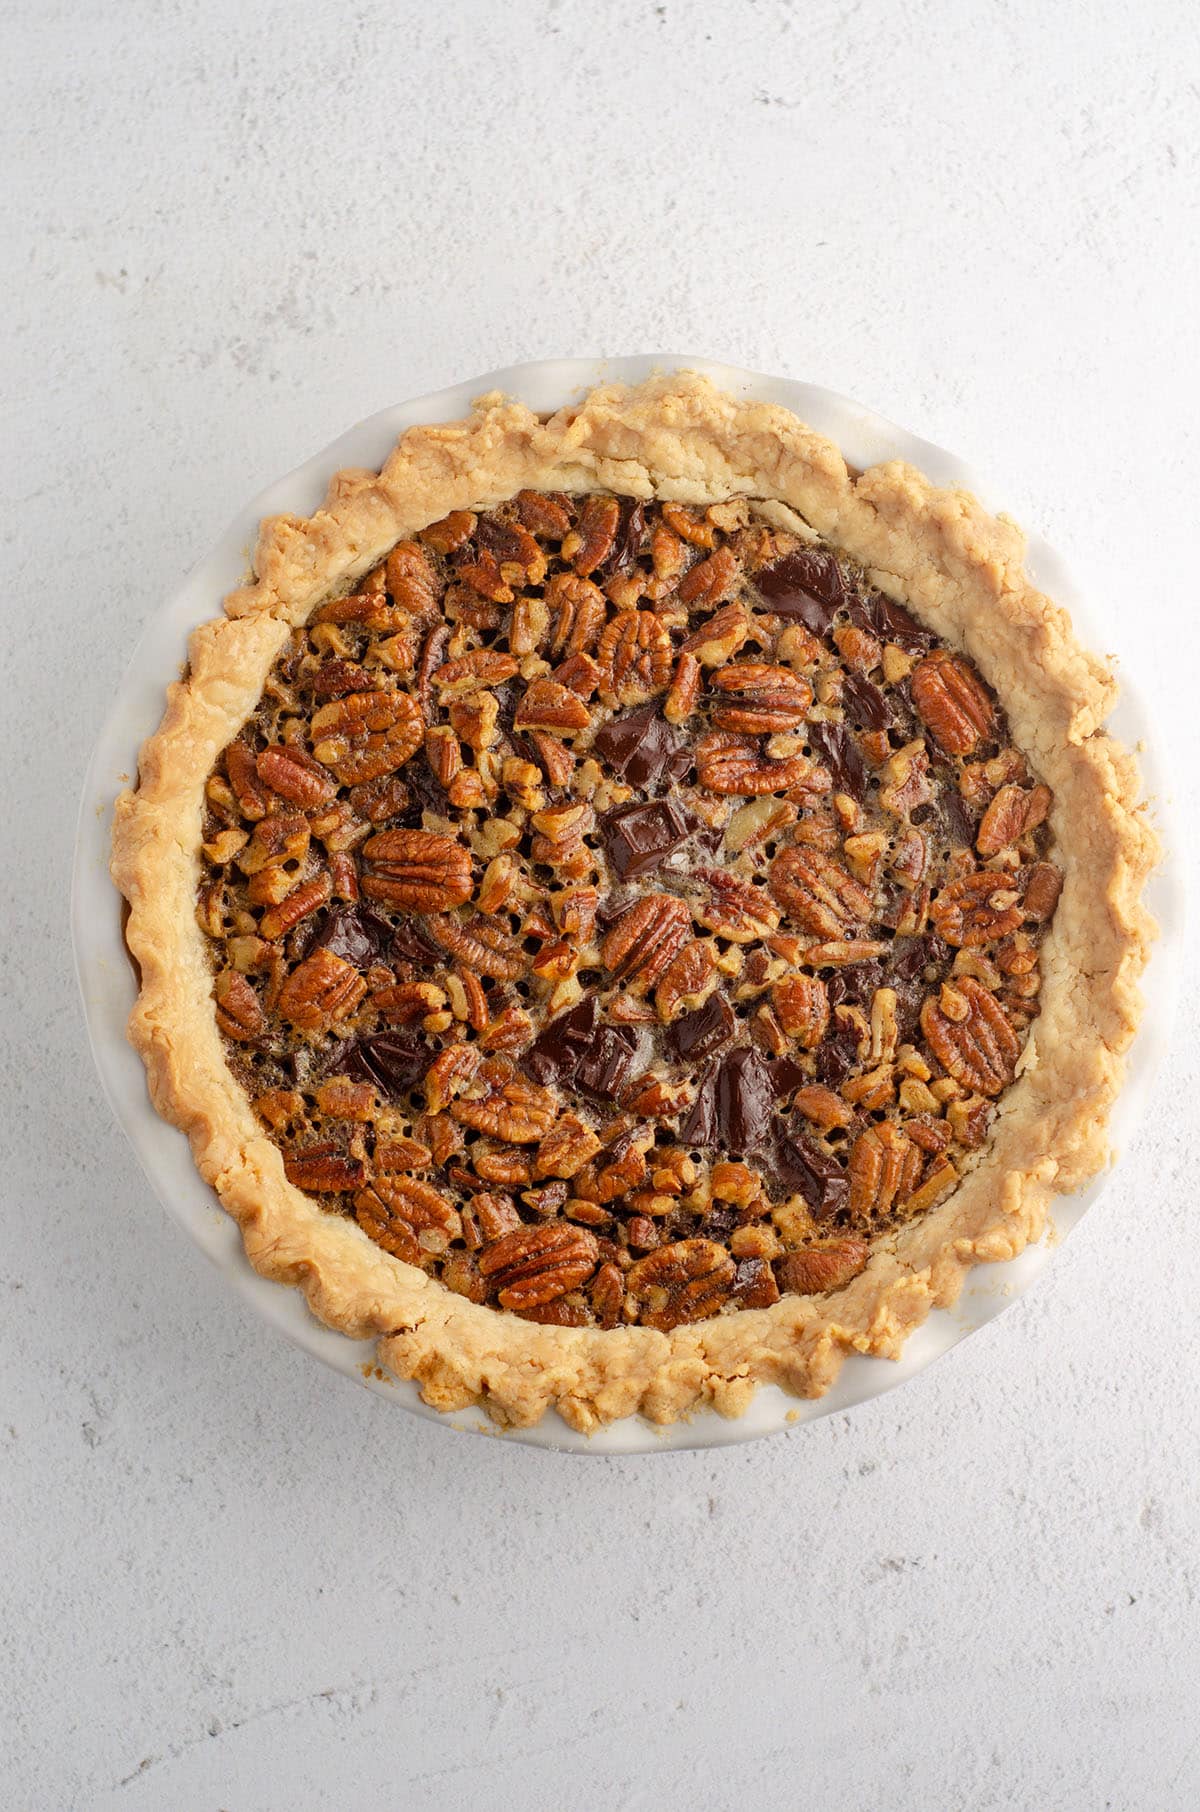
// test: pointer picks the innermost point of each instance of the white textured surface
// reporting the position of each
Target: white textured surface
(233, 1580)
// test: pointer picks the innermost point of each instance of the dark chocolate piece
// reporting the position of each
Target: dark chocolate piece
(641, 746)
(699, 1130)
(745, 1100)
(699, 1033)
(786, 1076)
(836, 748)
(556, 1051)
(606, 1062)
(638, 838)
(866, 704)
(394, 1061)
(412, 944)
(628, 543)
(801, 1167)
(354, 933)
(806, 584)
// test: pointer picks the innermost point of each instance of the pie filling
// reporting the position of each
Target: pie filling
(624, 911)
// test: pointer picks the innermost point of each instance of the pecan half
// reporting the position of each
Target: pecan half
(421, 871)
(510, 1107)
(320, 990)
(884, 1169)
(818, 893)
(973, 1042)
(645, 938)
(239, 1011)
(635, 656)
(802, 1008)
(481, 946)
(1012, 814)
(711, 582)
(761, 699)
(592, 541)
(535, 1265)
(686, 1281)
(410, 1219)
(976, 910)
(295, 776)
(828, 1266)
(367, 734)
(687, 980)
(952, 702)
(547, 705)
(324, 1169)
(735, 909)
(737, 765)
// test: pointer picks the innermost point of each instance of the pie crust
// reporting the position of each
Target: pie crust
(961, 572)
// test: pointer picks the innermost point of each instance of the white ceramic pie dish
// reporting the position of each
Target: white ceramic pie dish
(107, 980)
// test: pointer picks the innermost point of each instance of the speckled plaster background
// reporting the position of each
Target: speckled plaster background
(233, 1580)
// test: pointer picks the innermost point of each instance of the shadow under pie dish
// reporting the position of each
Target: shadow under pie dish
(597, 898)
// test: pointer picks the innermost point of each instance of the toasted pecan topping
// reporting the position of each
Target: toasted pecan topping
(623, 911)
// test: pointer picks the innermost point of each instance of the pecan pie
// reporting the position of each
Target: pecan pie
(629, 909)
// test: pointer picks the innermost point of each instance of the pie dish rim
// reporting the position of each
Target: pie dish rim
(805, 401)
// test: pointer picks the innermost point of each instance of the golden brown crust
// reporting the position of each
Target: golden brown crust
(937, 551)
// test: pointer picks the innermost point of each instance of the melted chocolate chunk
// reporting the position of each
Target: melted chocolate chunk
(836, 748)
(806, 584)
(427, 794)
(354, 933)
(642, 748)
(892, 623)
(837, 1057)
(394, 1061)
(718, 1223)
(866, 704)
(606, 1062)
(699, 1130)
(786, 1076)
(745, 1100)
(412, 944)
(699, 1033)
(958, 817)
(628, 544)
(803, 1168)
(558, 1048)
(638, 838)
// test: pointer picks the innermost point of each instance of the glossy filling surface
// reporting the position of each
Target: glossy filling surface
(624, 911)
